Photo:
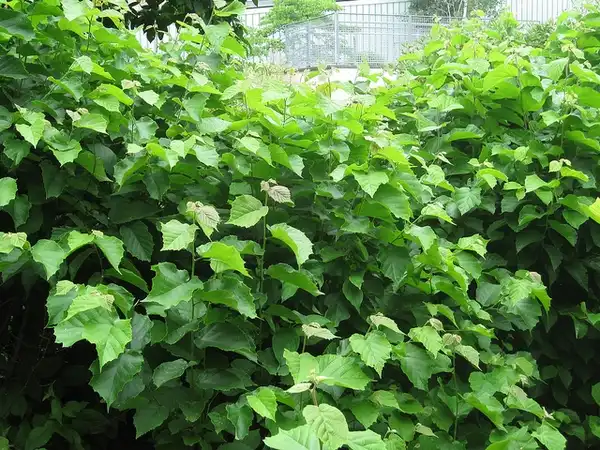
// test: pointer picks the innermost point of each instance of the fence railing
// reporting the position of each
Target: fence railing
(376, 33)
(346, 40)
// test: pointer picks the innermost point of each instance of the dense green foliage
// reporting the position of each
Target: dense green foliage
(196, 260)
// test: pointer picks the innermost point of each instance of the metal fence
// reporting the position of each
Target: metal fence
(346, 40)
(364, 31)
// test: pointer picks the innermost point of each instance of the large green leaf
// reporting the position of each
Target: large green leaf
(374, 349)
(328, 423)
(112, 248)
(295, 239)
(371, 181)
(227, 337)
(550, 437)
(419, 366)
(170, 287)
(49, 254)
(365, 440)
(110, 339)
(8, 190)
(229, 290)
(149, 417)
(337, 370)
(299, 438)
(223, 257)
(109, 381)
(246, 211)
(299, 278)
(264, 402)
(168, 371)
(138, 240)
(177, 235)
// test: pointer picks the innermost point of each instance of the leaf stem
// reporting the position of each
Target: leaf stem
(192, 346)
(313, 393)
(455, 393)
(261, 261)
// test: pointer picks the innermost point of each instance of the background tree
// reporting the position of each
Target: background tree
(454, 8)
(157, 15)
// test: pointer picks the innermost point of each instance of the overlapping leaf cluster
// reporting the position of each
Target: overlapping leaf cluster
(276, 265)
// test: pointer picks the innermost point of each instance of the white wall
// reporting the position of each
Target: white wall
(539, 10)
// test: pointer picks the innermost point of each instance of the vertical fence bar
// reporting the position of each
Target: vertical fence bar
(336, 38)
(308, 44)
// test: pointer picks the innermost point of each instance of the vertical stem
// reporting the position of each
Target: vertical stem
(261, 261)
(192, 346)
(313, 393)
(304, 344)
(456, 394)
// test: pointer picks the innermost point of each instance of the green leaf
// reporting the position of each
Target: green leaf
(394, 200)
(353, 294)
(596, 393)
(168, 371)
(111, 246)
(110, 339)
(299, 278)
(429, 337)
(17, 24)
(74, 9)
(89, 298)
(241, 417)
(16, 150)
(365, 440)
(92, 121)
(223, 257)
(435, 210)
(177, 235)
(424, 235)
(138, 240)
(488, 405)
(246, 211)
(109, 382)
(295, 239)
(11, 67)
(169, 288)
(366, 412)
(40, 435)
(149, 97)
(8, 190)
(227, 337)
(419, 366)
(264, 402)
(195, 105)
(379, 320)
(49, 254)
(149, 417)
(328, 423)
(337, 370)
(550, 437)
(385, 399)
(371, 181)
(299, 438)
(467, 198)
(518, 399)
(498, 75)
(230, 291)
(374, 349)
